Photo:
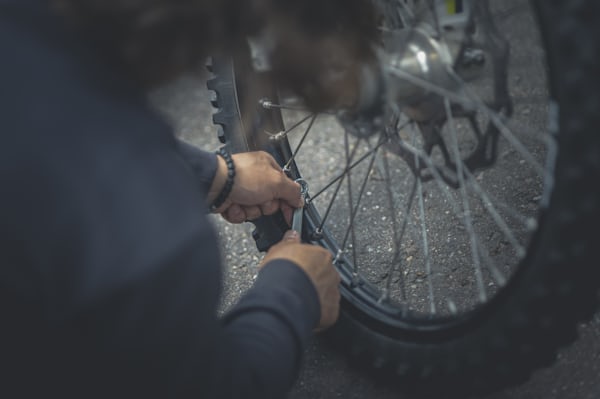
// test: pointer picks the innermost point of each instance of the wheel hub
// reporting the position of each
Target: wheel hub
(417, 53)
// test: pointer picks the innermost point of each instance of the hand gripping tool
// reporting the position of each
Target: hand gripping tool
(299, 212)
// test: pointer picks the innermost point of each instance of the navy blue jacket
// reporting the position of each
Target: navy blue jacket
(109, 267)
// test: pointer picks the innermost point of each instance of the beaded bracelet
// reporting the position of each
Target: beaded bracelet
(228, 183)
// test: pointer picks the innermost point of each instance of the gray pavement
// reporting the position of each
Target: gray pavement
(575, 375)
(327, 374)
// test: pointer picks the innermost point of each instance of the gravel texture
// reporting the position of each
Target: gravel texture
(327, 374)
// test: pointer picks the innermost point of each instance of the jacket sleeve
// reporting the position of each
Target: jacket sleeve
(270, 327)
(203, 163)
(165, 316)
(264, 334)
(110, 269)
(127, 274)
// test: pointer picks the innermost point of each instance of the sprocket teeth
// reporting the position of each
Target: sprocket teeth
(209, 65)
(220, 117)
(212, 84)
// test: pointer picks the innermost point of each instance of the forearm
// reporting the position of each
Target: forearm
(259, 358)
(270, 327)
(210, 169)
(174, 345)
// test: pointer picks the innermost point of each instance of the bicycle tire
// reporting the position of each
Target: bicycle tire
(555, 287)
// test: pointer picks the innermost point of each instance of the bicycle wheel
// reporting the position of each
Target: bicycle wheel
(460, 220)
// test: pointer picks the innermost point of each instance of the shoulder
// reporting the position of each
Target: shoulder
(94, 187)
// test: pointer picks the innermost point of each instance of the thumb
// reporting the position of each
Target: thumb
(291, 236)
(290, 192)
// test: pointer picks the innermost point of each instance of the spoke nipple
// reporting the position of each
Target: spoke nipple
(385, 296)
(338, 256)
(279, 136)
(452, 306)
(265, 103)
(355, 280)
(317, 234)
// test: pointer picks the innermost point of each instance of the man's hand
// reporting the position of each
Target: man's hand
(317, 264)
(260, 188)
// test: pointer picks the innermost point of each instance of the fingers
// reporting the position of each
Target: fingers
(234, 214)
(260, 180)
(330, 297)
(330, 309)
(290, 192)
(239, 214)
(269, 207)
(252, 212)
(316, 262)
(288, 213)
(291, 236)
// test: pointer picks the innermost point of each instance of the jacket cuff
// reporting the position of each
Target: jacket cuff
(286, 291)
(203, 163)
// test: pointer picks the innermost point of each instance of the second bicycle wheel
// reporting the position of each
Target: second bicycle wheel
(441, 215)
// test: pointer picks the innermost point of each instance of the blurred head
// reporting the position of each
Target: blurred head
(159, 39)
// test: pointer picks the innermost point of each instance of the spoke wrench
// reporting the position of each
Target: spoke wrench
(299, 212)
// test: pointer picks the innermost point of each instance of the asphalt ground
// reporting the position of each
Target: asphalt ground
(328, 374)
(325, 373)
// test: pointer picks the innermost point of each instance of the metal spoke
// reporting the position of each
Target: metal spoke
(463, 196)
(267, 104)
(502, 128)
(360, 194)
(294, 126)
(310, 125)
(529, 222)
(396, 241)
(350, 205)
(425, 241)
(468, 103)
(348, 169)
(466, 208)
(473, 102)
(489, 206)
(446, 191)
(337, 189)
(436, 21)
(408, 10)
(431, 167)
(397, 257)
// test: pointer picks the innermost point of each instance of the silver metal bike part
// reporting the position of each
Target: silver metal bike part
(299, 212)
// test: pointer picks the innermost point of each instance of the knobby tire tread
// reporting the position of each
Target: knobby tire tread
(552, 293)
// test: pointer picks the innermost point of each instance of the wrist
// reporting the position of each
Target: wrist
(223, 181)
(218, 181)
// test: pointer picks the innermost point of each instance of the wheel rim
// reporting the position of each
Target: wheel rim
(401, 267)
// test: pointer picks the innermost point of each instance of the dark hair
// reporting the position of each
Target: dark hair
(320, 44)
(158, 39)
